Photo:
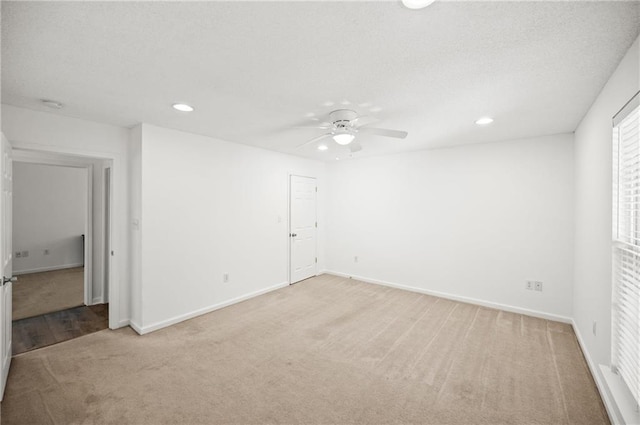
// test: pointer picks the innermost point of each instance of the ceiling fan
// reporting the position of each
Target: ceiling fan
(344, 124)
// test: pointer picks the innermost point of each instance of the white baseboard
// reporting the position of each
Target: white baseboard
(121, 324)
(97, 300)
(476, 301)
(135, 327)
(47, 269)
(609, 404)
(163, 324)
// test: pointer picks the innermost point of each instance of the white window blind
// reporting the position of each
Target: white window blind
(626, 246)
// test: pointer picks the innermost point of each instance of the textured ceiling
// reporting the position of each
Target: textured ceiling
(253, 70)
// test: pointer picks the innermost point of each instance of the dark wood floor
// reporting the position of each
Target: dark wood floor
(40, 331)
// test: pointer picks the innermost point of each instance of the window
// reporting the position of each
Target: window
(626, 246)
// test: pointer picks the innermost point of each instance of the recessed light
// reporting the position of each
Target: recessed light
(323, 147)
(337, 158)
(52, 104)
(182, 107)
(484, 121)
(417, 4)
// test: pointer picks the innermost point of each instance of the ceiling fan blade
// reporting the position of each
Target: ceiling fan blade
(324, 127)
(363, 120)
(355, 147)
(315, 139)
(384, 132)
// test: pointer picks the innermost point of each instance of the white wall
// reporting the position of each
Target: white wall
(473, 221)
(49, 212)
(45, 132)
(210, 207)
(593, 208)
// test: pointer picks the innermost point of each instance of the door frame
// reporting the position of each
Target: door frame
(289, 175)
(107, 186)
(117, 165)
(6, 340)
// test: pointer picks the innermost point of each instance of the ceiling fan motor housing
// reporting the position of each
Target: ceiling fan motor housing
(343, 125)
(343, 117)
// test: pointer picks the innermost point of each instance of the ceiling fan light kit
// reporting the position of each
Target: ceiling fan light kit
(343, 138)
(417, 4)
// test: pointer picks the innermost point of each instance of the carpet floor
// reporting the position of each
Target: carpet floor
(35, 294)
(328, 350)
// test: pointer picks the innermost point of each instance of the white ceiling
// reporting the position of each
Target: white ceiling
(252, 70)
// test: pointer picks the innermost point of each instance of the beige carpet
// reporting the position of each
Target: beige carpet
(325, 351)
(40, 293)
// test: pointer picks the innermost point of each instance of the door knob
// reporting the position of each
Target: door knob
(6, 280)
(293, 235)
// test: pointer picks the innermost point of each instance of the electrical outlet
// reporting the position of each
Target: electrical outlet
(25, 254)
(537, 286)
(595, 327)
(18, 254)
(355, 259)
(225, 278)
(46, 252)
(528, 285)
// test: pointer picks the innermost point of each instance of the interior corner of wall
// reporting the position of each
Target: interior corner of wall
(136, 327)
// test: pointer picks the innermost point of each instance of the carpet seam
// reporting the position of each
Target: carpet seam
(466, 335)
(555, 366)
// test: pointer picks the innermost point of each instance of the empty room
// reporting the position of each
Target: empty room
(320, 212)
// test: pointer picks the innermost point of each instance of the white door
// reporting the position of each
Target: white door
(6, 205)
(302, 229)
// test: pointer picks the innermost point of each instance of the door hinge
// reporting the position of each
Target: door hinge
(316, 259)
(316, 188)
(316, 224)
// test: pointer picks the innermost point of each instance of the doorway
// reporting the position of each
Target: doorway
(60, 237)
(303, 227)
(50, 221)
